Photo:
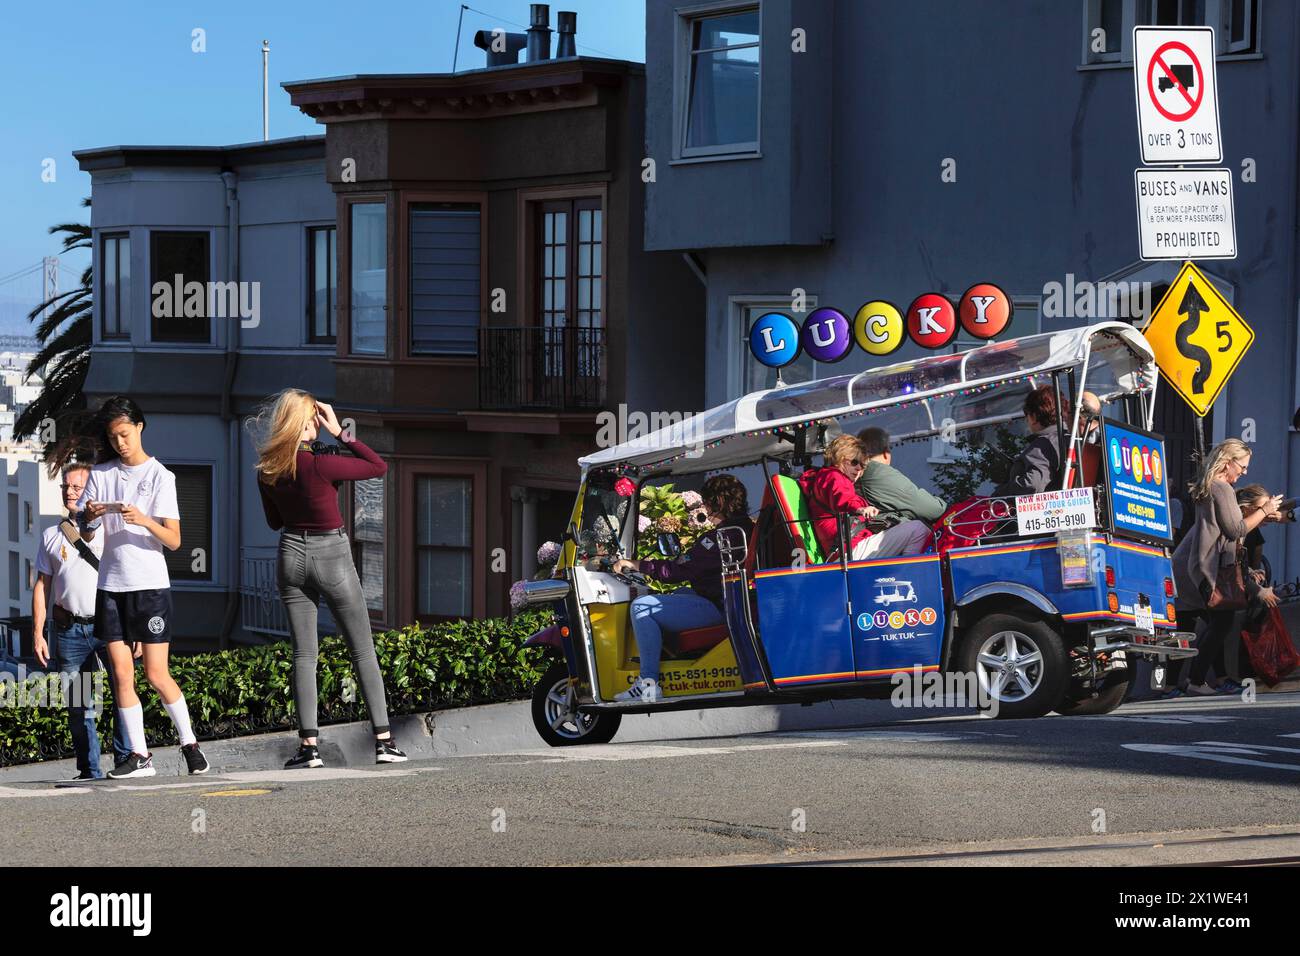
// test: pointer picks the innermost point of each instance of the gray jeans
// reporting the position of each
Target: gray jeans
(311, 567)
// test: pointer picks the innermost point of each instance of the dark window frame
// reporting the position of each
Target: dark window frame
(183, 556)
(155, 237)
(571, 207)
(377, 615)
(350, 208)
(416, 205)
(331, 285)
(469, 479)
(118, 332)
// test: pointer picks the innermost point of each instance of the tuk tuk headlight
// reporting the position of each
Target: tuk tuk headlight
(545, 592)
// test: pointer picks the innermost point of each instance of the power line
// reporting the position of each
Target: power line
(585, 46)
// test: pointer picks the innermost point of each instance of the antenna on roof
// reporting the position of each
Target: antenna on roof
(266, 119)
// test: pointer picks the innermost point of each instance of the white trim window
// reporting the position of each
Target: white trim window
(1235, 22)
(748, 373)
(718, 81)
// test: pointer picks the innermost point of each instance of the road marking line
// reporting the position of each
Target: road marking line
(234, 793)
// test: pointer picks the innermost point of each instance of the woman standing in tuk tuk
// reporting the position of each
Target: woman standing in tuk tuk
(700, 604)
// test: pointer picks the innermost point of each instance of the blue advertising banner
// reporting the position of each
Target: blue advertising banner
(1136, 480)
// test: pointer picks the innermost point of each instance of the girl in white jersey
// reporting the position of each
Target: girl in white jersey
(131, 499)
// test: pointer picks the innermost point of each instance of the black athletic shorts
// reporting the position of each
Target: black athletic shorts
(136, 617)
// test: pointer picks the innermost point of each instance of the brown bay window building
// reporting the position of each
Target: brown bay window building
(493, 299)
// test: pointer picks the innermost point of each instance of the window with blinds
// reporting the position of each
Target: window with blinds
(444, 273)
(194, 496)
(443, 541)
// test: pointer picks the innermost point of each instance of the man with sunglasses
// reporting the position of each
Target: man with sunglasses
(67, 576)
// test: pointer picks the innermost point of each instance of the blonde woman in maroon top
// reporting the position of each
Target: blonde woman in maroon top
(300, 497)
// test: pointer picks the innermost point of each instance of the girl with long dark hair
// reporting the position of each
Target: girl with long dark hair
(300, 498)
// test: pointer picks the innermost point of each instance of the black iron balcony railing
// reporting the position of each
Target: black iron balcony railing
(542, 368)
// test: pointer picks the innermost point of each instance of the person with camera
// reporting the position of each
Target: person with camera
(67, 576)
(299, 480)
(1207, 574)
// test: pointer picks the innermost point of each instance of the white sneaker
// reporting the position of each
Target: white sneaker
(644, 691)
(1202, 690)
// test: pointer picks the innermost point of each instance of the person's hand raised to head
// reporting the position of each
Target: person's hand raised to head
(326, 419)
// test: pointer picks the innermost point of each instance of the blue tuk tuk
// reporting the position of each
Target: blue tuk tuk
(1043, 601)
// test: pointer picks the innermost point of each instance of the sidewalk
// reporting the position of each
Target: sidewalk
(494, 728)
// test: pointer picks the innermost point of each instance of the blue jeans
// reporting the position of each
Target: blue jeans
(678, 610)
(78, 653)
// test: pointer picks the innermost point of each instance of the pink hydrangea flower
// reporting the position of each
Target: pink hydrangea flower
(692, 500)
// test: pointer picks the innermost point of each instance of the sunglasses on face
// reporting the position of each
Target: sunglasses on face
(856, 463)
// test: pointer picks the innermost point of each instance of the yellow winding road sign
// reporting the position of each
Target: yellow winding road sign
(1198, 338)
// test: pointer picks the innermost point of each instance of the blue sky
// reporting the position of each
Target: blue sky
(82, 74)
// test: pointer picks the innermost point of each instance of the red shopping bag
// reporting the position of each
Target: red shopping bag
(1272, 654)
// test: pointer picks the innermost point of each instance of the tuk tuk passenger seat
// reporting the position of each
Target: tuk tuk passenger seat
(695, 641)
(794, 511)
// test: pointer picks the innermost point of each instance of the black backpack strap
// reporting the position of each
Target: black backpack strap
(70, 532)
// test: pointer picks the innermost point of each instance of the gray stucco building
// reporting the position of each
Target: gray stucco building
(862, 149)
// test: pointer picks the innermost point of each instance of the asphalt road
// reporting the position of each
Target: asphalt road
(1212, 780)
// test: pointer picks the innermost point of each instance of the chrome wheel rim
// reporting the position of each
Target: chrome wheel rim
(562, 716)
(1010, 666)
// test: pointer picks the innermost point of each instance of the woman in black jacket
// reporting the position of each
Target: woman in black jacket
(1039, 466)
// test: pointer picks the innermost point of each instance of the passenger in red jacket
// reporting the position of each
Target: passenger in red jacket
(830, 492)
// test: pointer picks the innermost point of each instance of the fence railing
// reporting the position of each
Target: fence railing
(541, 368)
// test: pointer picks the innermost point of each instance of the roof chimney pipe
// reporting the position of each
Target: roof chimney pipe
(502, 48)
(567, 44)
(539, 32)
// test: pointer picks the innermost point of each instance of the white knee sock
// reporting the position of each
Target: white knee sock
(180, 715)
(133, 720)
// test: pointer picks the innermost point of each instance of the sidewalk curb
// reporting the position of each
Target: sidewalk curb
(492, 729)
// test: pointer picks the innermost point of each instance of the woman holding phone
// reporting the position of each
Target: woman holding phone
(299, 490)
(131, 497)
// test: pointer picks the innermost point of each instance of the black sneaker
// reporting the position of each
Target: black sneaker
(194, 759)
(84, 775)
(386, 752)
(307, 756)
(136, 765)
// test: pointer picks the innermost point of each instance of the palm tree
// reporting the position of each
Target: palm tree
(65, 336)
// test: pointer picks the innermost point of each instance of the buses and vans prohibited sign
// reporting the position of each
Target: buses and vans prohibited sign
(1185, 213)
(1177, 100)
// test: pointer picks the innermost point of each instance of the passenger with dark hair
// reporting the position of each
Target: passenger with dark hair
(1039, 466)
(132, 497)
(887, 488)
(699, 604)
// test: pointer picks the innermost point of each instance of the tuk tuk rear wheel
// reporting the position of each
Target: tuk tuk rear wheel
(1080, 702)
(1019, 661)
(559, 726)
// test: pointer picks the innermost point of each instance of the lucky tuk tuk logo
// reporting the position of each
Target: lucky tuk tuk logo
(879, 327)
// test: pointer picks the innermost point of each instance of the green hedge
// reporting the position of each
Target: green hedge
(249, 690)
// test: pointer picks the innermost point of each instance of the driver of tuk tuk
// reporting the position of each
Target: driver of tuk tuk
(830, 491)
(697, 605)
(1038, 467)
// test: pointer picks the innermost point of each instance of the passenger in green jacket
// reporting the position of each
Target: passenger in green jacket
(888, 489)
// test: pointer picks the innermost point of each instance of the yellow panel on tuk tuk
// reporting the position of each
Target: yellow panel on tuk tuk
(714, 672)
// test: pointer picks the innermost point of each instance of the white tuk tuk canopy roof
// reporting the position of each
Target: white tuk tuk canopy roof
(970, 388)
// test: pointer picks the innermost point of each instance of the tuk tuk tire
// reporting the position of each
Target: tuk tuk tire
(603, 727)
(1055, 678)
(1111, 696)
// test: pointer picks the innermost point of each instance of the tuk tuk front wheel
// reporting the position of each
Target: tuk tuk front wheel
(1021, 664)
(1079, 702)
(558, 723)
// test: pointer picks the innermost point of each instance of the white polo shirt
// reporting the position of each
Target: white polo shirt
(72, 579)
(133, 557)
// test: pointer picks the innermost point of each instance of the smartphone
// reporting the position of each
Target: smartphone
(113, 506)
